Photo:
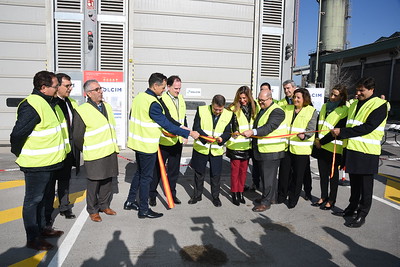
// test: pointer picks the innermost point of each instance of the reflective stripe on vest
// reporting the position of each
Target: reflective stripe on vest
(63, 120)
(178, 115)
(100, 139)
(144, 133)
(295, 144)
(328, 123)
(206, 124)
(271, 145)
(241, 142)
(45, 145)
(64, 128)
(369, 143)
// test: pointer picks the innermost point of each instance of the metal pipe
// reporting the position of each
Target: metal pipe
(391, 76)
(318, 41)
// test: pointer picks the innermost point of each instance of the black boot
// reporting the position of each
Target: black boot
(240, 197)
(235, 200)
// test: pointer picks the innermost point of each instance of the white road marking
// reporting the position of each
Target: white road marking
(69, 240)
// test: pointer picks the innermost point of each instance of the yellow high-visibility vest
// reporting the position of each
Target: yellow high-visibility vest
(206, 124)
(144, 132)
(177, 114)
(241, 142)
(270, 145)
(299, 125)
(369, 143)
(45, 145)
(100, 139)
(328, 123)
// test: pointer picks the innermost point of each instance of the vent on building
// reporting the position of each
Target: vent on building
(68, 45)
(112, 6)
(68, 5)
(272, 12)
(111, 46)
(270, 55)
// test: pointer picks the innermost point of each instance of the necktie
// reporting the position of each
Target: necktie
(175, 100)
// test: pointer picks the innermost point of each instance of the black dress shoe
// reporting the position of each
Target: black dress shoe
(246, 187)
(308, 197)
(149, 214)
(235, 201)
(261, 208)
(345, 213)
(318, 203)
(194, 200)
(131, 205)
(39, 244)
(177, 201)
(291, 205)
(279, 201)
(50, 232)
(217, 202)
(152, 201)
(68, 214)
(331, 206)
(357, 222)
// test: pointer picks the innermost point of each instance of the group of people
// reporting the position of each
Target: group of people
(279, 136)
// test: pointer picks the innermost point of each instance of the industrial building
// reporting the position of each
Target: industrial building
(380, 59)
(215, 46)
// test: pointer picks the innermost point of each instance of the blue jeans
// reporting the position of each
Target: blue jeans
(36, 196)
(142, 179)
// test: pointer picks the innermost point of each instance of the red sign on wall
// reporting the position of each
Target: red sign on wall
(104, 76)
(90, 4)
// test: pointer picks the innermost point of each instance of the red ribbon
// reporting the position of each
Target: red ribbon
(209, 139)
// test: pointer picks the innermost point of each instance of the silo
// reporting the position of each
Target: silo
(334, 15)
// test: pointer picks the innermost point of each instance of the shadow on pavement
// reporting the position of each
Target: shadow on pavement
(362, 256)
(116, 254)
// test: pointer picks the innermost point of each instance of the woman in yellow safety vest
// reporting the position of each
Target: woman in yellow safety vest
(333, 114)
(301, 118)
(238, 147)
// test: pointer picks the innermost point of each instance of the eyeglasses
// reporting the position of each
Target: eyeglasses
(98, 89)
(262, 100)
(71, 85)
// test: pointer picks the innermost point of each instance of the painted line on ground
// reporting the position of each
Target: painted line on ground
(65, 247)
(390, 177)
(397, 207)
(9, 170)
(32, 261)
(16, 213)
(11, 184)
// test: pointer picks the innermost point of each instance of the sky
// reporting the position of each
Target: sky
(370, 19)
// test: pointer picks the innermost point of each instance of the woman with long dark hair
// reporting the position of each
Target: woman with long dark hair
(333, 114)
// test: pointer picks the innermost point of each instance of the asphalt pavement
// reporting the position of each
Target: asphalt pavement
(203, 235)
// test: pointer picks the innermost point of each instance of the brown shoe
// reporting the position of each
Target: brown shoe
(95, 217)
(260, 208)
(109, 211)
(39, 244)
(50, 232)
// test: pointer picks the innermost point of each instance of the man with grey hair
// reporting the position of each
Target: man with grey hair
(94, 134)
(288, 88)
